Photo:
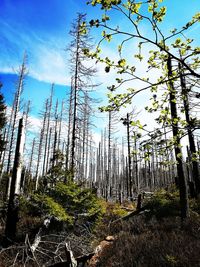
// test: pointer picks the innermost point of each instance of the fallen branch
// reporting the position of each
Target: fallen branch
(131, 214)
(38, 236)
(127, 209)
(70, 256)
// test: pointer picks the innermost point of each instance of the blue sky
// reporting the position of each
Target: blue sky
(41, 27)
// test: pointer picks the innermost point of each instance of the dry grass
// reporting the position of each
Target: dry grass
(143, 243)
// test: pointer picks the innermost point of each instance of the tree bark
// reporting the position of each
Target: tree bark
(177, 145)
(195, 166)
(13, 204)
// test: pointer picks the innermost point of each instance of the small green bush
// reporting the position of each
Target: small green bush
(110, 211)
(163, 204)
(42, 205)
(66, 202)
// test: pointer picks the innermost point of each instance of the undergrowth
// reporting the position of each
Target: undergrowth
(156, 237)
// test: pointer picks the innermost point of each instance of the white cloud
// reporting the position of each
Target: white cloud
(34, 125)
(51, 66)
(46, 57)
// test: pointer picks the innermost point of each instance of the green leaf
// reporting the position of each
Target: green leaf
(122, 62)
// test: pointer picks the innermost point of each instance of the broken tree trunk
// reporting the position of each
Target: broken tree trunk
(13, 204)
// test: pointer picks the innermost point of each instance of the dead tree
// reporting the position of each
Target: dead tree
(70, 114)
(190, 126)
(81, 78)
(3, 130)
(13, 204)
(41, 145)
(60, 126)
(31, 157)
(8, 130)
(77, 35)
(55, 135)
(16, 109)
(129, 157)
(47, 134)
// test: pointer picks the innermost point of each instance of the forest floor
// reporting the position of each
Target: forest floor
(155, 236)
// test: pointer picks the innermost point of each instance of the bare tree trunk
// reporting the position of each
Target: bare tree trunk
(195, 167)
(129, 157)
(60, 126)
(137, 181)
(16, 111)
(54, 159)
(76, 87)
(31, 157)
(46, 152)
(109, 156)
(69, 128)
(13, 204)
(7, 137)
(49, 151)
(84, 130)
(177, 146)
(41, 145)
(2, 153)
(16, 107)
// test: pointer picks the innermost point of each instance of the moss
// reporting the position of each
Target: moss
(171, 260)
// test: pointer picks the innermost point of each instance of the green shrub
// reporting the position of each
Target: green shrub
(42, 205)
(163, 204)
(110, 211)
(75, 200)
(64, 201)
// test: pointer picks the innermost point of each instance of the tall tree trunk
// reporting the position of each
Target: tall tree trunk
(16, 110)
(41, 146)
(47, 135)
(195, 166)
(10, 124)
(129, 157)
(16, 107)
(69, 129)
(76, 87)
(13, 204)
(177, 146)
(31, 157)
(109, 155)
(60, 126)
(54, 159)
(137, 182)
(49, 151)
(2, 153)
